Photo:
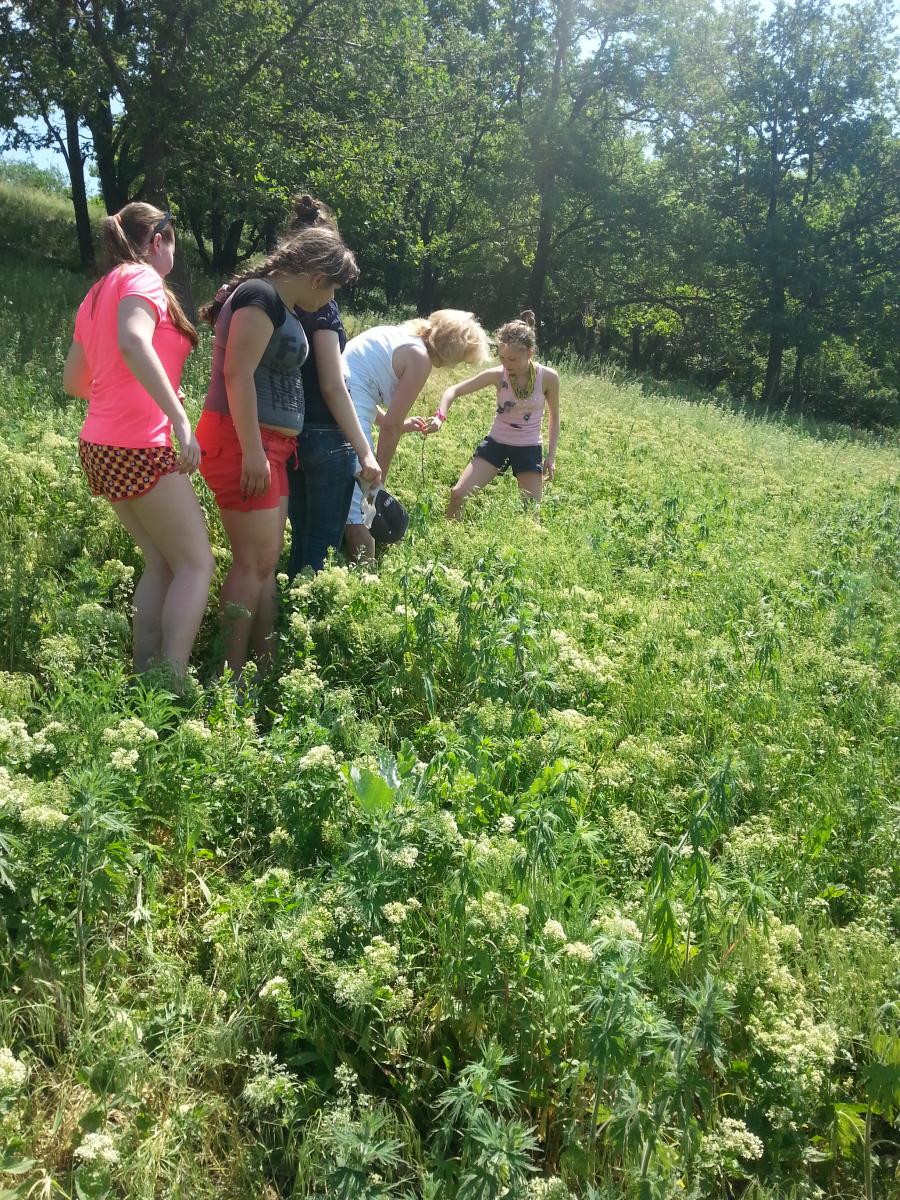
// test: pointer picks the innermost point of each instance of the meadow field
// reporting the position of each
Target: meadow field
(557, 859)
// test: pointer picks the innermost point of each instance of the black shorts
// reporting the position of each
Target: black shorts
(521, 460)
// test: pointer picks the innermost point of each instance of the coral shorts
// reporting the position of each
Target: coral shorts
(221, 463)
(124, 472)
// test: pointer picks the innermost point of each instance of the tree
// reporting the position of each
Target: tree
(787, 119)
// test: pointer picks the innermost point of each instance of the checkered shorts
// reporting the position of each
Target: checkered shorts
(124, 473)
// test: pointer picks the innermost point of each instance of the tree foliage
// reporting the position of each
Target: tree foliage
(696, 189)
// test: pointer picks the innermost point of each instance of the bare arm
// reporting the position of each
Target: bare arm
(248, 335)
(551, 394)
(334, 390)
(489, 378)
(136, 327)
(76, 373)
(414, 368)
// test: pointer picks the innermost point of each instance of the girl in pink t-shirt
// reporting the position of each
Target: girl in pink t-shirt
(130, 345)
(524, 389)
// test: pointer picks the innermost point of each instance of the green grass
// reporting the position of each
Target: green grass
(607, 905)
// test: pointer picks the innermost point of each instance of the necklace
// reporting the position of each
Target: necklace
(529, 388)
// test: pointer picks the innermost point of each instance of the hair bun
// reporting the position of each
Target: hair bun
(306, 209)
(528, 317)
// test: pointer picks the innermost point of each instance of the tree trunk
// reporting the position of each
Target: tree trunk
(225, 263)
(270, 233)
(155, 192)
(393, 280)
(772, 382)
(196, 223)
(112, 168)
(427, 289)
(540, 267)
(655, 353)
(634, 356)
(429, 276)
(797, 382)
(75, 163)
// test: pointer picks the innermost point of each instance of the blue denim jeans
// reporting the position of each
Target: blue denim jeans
(321, 488)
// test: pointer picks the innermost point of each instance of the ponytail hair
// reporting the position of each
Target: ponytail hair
(520, 332)
(127, 235)
(306, 210)
(313, 250)
(451, 337)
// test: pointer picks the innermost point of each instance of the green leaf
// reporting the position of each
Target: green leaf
(850, 1126)
(15, 1166)
(374, 795)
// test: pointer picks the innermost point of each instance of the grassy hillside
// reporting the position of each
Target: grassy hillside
(558, 858)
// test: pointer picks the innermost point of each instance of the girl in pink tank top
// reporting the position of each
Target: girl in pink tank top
(130, 344)
(524, 388)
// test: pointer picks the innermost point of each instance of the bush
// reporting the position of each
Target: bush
(40, 179)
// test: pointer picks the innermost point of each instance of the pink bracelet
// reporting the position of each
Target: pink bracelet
(442, 417)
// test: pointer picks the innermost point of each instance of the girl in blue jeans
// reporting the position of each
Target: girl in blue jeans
(321, 482)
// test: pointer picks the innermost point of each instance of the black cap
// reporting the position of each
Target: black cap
(391, 519)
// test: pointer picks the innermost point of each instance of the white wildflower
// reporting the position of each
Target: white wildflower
(570, 718)
(271, 1086)
(551, 1188)
(553, 931)
(196, 731)
(123, 759)
(449, 826)
(506, 824)
(15, 741)
(129, 732)
(280, 876)
(346, 1079)
(13, 1072)
(42, 742)
(277, 988)
(353, 987)
(97, 1149)
(579, 950)
(395, 912)
(406, 857)
(42, 816)
(731, 1139)
(614, 925)
(318, 758)
(631, 831)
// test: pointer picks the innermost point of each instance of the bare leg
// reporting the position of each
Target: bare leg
(169, 527)
(360, 543)
(531, 483)
(266, 613)
(478, 473)
(149, 595)
(256, 539)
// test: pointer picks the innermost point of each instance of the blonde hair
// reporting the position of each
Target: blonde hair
(519, 332)
(451, 337)
(314, 250)
(127, 235)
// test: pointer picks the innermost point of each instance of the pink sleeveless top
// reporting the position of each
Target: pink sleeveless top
(518, 422)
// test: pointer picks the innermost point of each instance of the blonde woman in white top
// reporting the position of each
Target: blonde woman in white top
(388, 366)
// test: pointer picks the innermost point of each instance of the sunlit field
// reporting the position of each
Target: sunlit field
(558, 858)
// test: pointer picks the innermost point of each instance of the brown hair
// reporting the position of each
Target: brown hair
(451, 337)
(127, 235)
(314, 250)
(519, 332)
(307, 210)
